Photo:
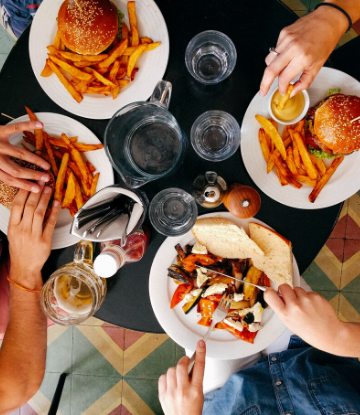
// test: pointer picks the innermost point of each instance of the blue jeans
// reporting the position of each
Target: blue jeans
(301, 380)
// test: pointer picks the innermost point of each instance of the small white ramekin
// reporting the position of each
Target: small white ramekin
(295, 120)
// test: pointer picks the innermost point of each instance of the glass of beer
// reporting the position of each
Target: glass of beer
(74, 292)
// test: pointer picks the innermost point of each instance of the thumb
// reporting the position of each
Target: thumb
(199, 368)
(274, 301)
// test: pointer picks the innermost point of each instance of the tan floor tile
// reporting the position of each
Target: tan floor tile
(347, 312)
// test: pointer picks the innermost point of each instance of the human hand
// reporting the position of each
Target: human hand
(11, 173)
(180, 395)
(307, 314)
(29, 239)
(303, 47)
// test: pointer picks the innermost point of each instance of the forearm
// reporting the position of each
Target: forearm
(347, 343)
(23, 352)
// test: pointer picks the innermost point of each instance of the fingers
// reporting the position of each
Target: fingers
(182, 376)
(171, 382)
(7, 130)
(17, 207)
(13, 169)
(20, 183)
(30, 207)
(22, 154)
(51, 222)
(199, 368)
(39, 214)
(273, 299)
(305, 80)
(162, 385)
(288, 294)
(272, 71)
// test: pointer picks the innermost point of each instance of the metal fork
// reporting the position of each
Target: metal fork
(218, 316)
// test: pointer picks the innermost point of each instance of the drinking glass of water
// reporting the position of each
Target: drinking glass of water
(173, 212)
(210, 57)
(215, 135)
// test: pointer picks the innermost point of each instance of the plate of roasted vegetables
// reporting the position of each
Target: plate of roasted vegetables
(184, 294)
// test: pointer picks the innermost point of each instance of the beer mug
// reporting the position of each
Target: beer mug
(74, 292)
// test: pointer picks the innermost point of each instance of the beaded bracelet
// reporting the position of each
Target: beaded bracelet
(23, 288)
(340, 10)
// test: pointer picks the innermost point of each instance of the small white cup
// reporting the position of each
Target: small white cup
(295, 120)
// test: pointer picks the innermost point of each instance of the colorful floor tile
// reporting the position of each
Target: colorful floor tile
(113, 371)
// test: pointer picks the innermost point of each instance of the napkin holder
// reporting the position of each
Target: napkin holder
(115, 229)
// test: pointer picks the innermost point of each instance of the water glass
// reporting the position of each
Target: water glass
(210, 57)
(173, 212)
(215, 135)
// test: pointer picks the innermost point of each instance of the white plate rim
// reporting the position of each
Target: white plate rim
(151, 69)
(228, 347)
(62, 237)
(335, 191)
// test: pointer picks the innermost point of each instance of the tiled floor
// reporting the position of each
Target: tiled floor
(113, 371)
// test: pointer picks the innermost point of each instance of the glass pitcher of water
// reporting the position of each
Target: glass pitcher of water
(143, 139)
(74, 292)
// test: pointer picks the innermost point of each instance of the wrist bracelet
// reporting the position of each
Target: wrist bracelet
(340, 10)
(23, 288)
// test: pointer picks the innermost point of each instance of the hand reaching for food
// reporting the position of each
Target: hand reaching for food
(303, 48)
(10, 172)
(179, 394)
(29, 238)
(312, 317)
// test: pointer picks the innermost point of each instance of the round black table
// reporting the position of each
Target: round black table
(253, 26)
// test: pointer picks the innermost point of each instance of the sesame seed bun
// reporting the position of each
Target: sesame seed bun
(8, 193)
(87, 27)
(333, 130)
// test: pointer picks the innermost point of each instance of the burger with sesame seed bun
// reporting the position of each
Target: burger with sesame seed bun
(88, 27)
(332, 128)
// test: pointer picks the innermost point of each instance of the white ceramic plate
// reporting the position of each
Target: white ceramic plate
(183, 328)
(344, 182)
(55, 125)
(152, 65)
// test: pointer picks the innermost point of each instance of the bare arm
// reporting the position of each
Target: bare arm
(305, 46)
(313, 319)
(23, 352)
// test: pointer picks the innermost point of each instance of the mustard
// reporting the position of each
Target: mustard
(292, 109)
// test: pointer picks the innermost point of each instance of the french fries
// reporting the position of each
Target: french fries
(74, 183)
(299, 166)
(103, 73)
(273, 133)
(280, 106)
(37, 132)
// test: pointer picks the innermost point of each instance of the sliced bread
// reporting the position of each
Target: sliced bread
(277, 261)
(223, 238)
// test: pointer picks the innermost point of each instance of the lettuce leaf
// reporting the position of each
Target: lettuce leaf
(333, 92)
(120, 19)
(320, 154)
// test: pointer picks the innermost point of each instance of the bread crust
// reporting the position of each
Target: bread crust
(333, 130)
(87, 27)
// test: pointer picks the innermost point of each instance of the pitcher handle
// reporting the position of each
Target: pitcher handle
(84, 252)
(162, 93)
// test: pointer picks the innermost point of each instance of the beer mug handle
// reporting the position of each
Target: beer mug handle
(162, 93)
(84, 252)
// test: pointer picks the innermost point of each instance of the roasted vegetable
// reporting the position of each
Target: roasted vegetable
(190, 262)
(180, 293)
(180, 251)
(206, 307)
(245, 335)
(253, 275)
(191, 304)
(239, 267)
(239, 305)
(177, 273)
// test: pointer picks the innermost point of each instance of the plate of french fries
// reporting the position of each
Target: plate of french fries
(277, 158)
(78, 162)
(96, 86)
